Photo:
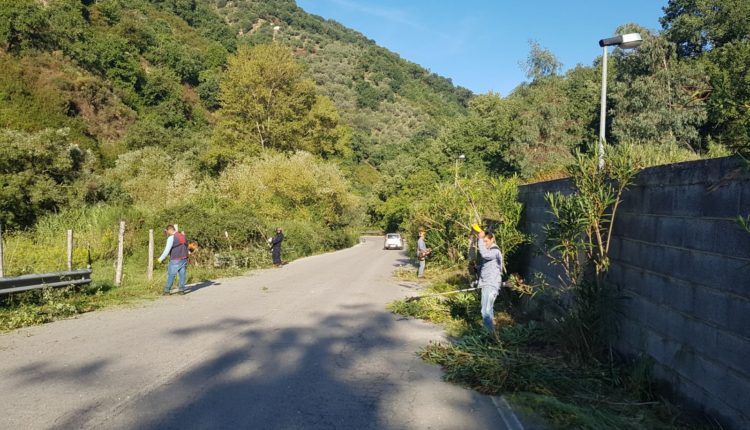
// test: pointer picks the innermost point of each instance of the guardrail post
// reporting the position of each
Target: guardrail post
(70, 250)
(150, 254)
(2, 253)
(120, 254)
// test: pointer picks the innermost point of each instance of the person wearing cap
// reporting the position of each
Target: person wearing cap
(490, 276)
(276, 247)
(177, 250)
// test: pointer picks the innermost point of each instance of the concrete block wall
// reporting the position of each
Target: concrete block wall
(683, 265)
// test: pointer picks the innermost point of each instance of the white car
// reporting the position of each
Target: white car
(393, 241)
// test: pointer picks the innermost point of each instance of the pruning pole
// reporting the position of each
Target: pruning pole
(120, 254)
(443, 294)
(150, 272)
(70, 250)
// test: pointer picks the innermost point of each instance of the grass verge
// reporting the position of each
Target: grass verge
(50, 304)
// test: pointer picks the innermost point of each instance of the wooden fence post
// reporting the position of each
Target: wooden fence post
(2, 253)
(120, 254)
(70, 250)
(151, 254)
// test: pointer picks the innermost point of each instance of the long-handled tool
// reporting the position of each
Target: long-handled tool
(411, 299)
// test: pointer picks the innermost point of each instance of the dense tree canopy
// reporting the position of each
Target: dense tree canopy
(715, 35)
(266, 103)
(38, 174)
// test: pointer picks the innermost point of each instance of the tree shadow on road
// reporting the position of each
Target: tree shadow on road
(345, 370)
(302, 377)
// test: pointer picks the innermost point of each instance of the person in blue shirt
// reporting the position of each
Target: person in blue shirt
(177, 250)
(422, 253)
(490, 276)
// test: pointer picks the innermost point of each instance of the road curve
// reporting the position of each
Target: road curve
(308, 346)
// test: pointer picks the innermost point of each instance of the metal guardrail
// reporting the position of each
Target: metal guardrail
(17, 284)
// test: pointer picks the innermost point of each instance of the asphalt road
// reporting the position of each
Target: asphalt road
(307, 346)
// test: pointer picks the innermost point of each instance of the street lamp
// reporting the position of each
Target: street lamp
(460, 157)
(623, 41)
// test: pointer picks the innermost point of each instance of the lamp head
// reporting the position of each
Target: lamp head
(623, 41)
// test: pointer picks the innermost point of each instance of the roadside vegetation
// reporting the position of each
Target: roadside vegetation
(552, 353)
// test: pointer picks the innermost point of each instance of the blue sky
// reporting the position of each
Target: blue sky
(479, 43)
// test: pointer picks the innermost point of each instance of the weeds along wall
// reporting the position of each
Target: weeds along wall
(682, 265)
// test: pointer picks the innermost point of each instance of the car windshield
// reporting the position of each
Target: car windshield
(393, 236)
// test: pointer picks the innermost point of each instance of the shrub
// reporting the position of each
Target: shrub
(448, 211)
(38, 172)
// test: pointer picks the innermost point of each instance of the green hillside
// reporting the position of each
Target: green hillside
(127, 76)
(122, 74)
(385, 98)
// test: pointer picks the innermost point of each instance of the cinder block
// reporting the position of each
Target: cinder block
(633, 198)
(661, 200)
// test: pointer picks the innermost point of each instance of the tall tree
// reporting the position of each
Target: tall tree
(38, 174)
(717, 34)
(265, 103)
(698, 26)
(541, 62)
(657, 98)
(23, 24)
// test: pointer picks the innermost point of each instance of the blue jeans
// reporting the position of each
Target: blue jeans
(173, 268)
(420, 272)
(489, 294)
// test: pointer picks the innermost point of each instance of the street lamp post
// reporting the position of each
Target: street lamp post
(460, 157)
(623, 41)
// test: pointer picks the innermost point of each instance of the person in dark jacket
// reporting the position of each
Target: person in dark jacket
(276, 247)
(177, 250)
